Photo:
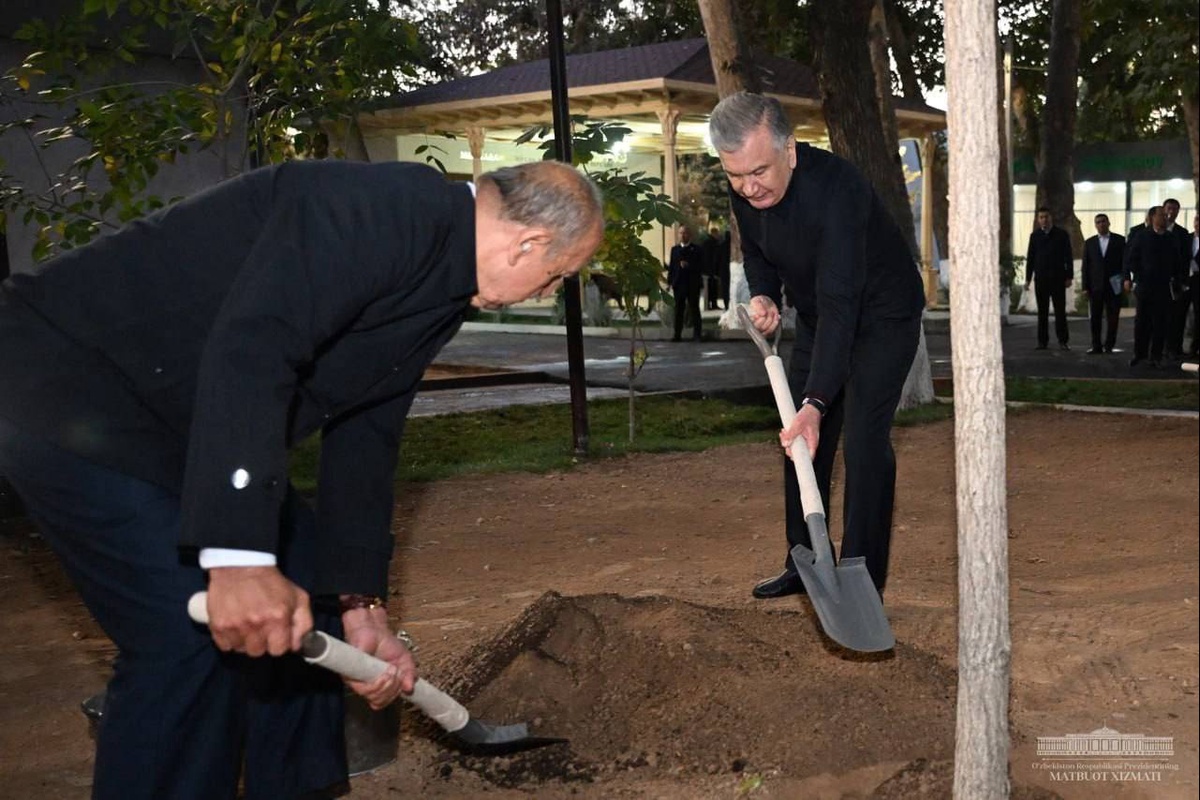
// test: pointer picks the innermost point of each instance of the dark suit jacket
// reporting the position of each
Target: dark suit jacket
(1049, 257)
(1097, 269)
(685, 277)
(842, 257)
(1183, 239)
(1134, 232)
(211, 336)
(1153, 260)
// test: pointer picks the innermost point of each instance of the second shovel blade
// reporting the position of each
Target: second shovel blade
(846, 601)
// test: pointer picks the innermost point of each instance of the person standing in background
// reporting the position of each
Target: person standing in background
(1152, 262)
(1181, 297)
(683, 275)
(1049, 267)
(1103, 263)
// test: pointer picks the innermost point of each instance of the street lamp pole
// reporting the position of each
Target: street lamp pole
(571, 288)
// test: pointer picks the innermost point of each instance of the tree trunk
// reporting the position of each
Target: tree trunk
(857, 100)
(984, 644)
(902, 51)
(1056, 174)
(898, 201)
(849, 98)
(1191, 107)
(1006, 190)
(734, 71)
(731, 62)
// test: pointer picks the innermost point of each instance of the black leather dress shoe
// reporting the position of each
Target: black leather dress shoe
(1095, 351)
(782, 585)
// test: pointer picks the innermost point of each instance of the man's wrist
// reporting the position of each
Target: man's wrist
(353, 602)
(215, 557)
(816, 403)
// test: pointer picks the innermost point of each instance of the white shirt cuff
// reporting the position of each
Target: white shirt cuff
(211, 557)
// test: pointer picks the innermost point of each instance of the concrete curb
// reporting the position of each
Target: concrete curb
(1134, 412)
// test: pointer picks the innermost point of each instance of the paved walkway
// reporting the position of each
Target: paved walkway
(729, 364)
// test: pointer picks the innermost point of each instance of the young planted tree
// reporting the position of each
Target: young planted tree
(633, 204)
(984, 644)
(262, 82)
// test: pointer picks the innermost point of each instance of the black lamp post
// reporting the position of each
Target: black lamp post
(574, 307)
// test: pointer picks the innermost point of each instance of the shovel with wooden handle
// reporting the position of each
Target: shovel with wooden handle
(844, 596)
(333, 654)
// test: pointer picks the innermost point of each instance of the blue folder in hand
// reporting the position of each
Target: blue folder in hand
(1115, 282)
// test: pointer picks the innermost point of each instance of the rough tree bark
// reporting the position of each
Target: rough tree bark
(1056, 174)
(839, 30)
(1191, 115)
(731, 61)
(984, 644)
(857, 101)
(1006, 189)
(734, 71)
(910, 87)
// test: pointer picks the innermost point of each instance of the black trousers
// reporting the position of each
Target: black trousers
(1194, 291)
(687, 297)
(1186, 301)
(1151, 323)
(1104, 307)
(861, 415)
(182, 720)
(1047, 292)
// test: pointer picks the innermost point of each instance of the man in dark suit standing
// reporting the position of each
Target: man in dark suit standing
(684, 275)
(151, 385)
(1103, 260)
(1181, 295)
(1153, 261)
(812, 223)
(1049, 266)
(1194, 284)
(716, 269)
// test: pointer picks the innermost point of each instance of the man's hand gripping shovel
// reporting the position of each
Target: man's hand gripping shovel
(348, 661)
(843, 594)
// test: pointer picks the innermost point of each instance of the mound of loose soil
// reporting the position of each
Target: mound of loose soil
(672, 687)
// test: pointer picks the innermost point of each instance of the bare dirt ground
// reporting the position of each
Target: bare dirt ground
(671, 682)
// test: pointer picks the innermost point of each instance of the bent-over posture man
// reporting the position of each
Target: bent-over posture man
(811, 223)
(151, 385)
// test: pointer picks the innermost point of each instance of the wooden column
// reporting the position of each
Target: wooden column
(928, 268)
(669, 119)
(475, 139)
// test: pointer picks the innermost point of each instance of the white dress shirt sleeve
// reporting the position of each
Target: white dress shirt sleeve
(211, 557)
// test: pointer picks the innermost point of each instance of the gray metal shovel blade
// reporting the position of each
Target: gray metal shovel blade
(844, 596)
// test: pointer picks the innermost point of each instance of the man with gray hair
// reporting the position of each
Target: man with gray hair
(151, 386)
(812, 224)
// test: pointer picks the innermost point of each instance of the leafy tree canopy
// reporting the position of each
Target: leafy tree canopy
(266, 79)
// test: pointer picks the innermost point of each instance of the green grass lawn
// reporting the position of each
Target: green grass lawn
(539, 439)
(1181, 395)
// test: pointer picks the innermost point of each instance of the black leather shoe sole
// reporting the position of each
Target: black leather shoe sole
(782, 585)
